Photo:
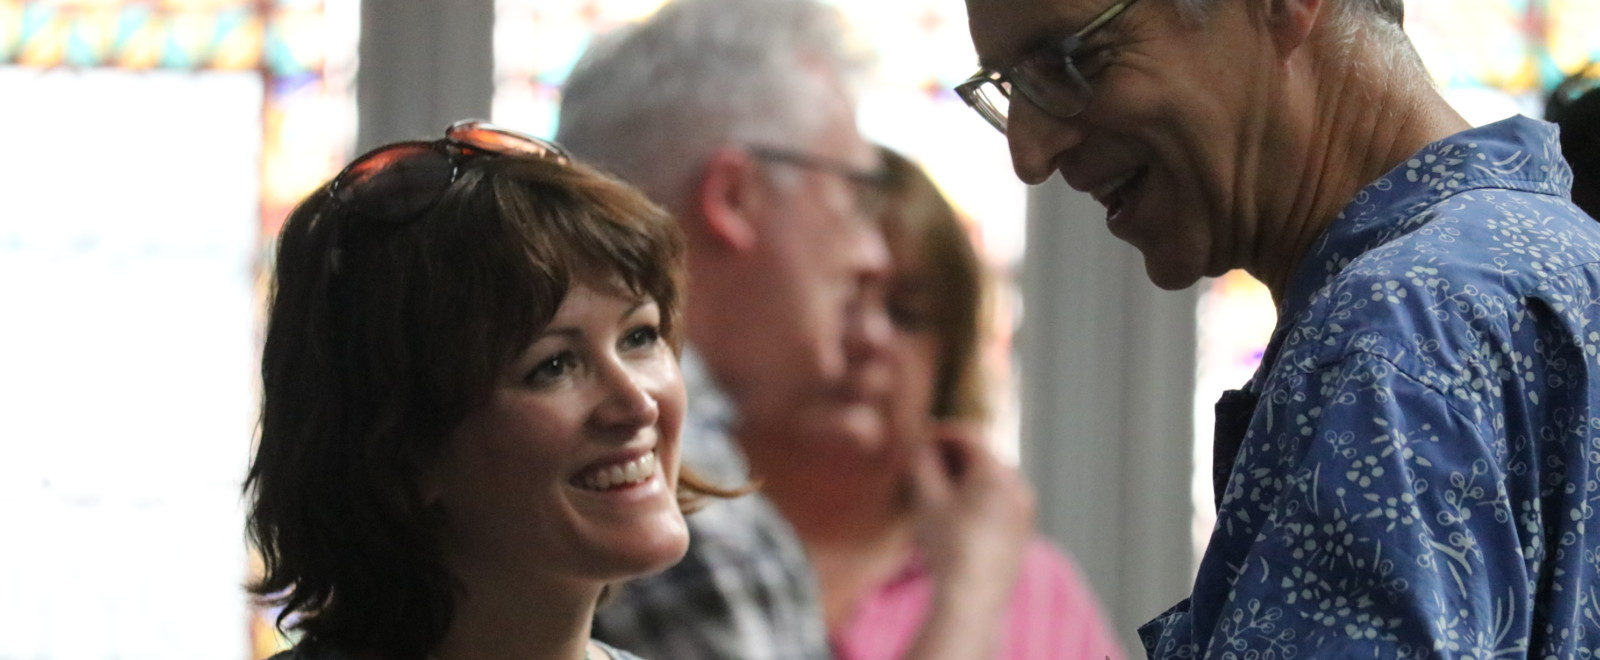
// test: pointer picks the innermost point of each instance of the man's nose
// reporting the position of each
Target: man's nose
(1035, 138)
(868, 328)
(872, 254)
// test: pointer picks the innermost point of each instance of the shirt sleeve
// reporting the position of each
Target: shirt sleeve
(1381, 527)
(743, 591)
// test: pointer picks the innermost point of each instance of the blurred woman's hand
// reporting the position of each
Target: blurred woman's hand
(974, 518)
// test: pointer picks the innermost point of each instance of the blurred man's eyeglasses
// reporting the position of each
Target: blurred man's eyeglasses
(869, 186)
(1047, 77)
(398, 182)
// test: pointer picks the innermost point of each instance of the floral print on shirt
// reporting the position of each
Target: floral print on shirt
(1420, 469)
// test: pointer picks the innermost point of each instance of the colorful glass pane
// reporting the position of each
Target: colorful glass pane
(288, 38)
(129, 66)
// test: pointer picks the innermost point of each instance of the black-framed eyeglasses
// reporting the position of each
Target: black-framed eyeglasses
(398, 182)
(870, 187)
(1047, 77)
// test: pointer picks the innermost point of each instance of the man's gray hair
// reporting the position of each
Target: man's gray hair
(1379, 21)
(651, 101)
(1392, 11)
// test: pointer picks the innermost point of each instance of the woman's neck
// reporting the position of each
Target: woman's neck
(849, 572)
(497, 617)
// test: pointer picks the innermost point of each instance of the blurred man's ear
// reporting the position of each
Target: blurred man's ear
(730, 196)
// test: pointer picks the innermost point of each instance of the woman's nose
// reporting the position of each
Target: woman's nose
(629, 401)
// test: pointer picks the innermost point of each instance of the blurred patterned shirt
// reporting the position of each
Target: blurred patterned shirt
(1052, 615)
(1419, 461)
(745, 590)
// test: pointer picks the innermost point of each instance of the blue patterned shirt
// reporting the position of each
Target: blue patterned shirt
(1419, 454)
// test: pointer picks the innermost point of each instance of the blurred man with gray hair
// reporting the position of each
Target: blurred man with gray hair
(737, 115)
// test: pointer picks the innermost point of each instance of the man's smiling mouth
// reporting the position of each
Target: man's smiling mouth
(1114, 194)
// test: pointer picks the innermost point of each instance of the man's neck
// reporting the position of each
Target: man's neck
(1359, 123)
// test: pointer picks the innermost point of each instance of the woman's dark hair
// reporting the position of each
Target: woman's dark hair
(922, 227)
(380, 338)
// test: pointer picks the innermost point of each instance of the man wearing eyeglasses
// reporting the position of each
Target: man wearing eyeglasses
(1413, 470)
(736, 116)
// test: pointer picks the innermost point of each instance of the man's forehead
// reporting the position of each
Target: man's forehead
(840, 139)
(1005, 30)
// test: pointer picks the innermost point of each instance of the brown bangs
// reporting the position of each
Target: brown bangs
(509, 241)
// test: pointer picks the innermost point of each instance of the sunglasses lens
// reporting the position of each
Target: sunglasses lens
(396, 183)
(493, 139)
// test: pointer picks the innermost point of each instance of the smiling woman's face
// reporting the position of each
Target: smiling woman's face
(569, 471)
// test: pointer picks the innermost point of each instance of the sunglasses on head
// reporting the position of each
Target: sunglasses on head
(398, 182)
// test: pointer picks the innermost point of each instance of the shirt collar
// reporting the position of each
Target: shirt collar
(1514, 154)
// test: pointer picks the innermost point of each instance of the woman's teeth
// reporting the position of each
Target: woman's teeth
(622, 475)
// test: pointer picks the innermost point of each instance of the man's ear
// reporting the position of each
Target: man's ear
(1292, 22)
(730, 195)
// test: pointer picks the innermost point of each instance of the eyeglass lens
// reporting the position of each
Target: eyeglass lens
(1048, 78)
(869, 195)
(1050, 81)
(992, 101)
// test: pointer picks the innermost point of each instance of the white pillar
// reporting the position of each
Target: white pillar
(1107, 364)
(423, 64)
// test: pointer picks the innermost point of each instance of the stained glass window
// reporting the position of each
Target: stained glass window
(153, 147)
(1491, 59)
(923, 50)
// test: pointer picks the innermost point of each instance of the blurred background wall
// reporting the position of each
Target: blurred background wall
(154, 146)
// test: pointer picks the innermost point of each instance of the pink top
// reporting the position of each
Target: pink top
(1052, 614)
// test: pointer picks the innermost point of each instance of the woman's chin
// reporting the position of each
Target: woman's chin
(651, 549)
(853, 433)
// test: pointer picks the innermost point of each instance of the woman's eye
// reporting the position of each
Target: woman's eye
(909, 317)
(642, 336)
(552, 369)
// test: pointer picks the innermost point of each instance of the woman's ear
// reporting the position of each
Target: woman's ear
(730, 196)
